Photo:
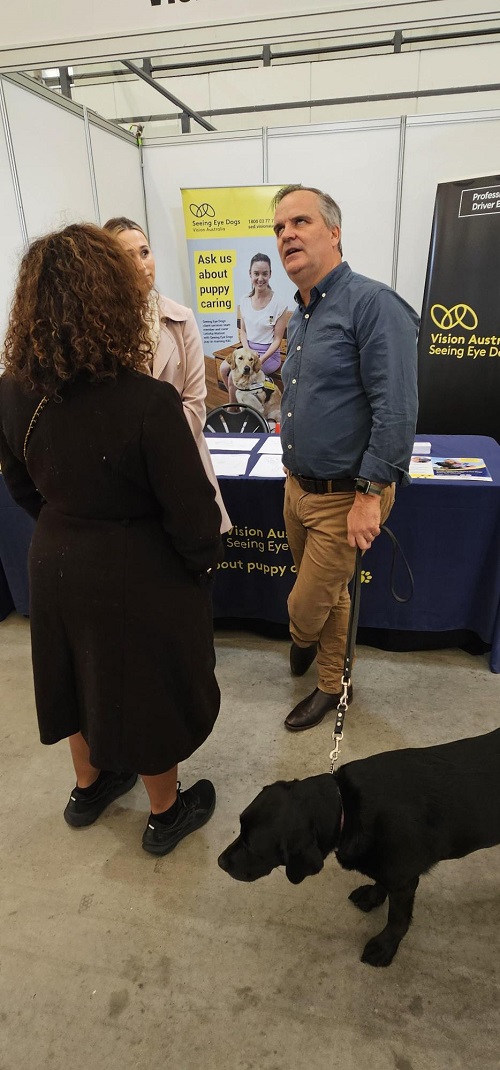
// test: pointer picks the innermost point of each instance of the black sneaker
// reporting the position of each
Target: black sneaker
(195, 808)
(85, 808)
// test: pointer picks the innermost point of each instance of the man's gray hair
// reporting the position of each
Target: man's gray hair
(329, 208)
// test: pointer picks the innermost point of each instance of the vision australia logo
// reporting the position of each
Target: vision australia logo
(458, 316)
(444, 343)
(202, 211)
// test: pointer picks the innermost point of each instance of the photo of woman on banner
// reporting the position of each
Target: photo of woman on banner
(264, 316)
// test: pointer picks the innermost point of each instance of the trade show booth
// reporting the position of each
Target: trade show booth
(60, 163)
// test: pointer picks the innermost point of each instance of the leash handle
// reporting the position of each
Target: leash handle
(395, 547)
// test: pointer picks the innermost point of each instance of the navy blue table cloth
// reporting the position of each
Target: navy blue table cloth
(16, 529)
(450, 533)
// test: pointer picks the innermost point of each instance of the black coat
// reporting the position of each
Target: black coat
(121, 625)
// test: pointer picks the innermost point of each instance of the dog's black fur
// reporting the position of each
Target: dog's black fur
(391, 816)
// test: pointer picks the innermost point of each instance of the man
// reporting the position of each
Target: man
(348, 420)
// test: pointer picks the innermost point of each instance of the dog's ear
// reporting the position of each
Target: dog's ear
(231, 358)
(257, 364)
(303, 857)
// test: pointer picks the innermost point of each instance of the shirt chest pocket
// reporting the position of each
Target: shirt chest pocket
(333, 351)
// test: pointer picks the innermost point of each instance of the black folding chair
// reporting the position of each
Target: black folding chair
(236, 419)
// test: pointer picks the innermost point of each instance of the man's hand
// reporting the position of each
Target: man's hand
(363, 520)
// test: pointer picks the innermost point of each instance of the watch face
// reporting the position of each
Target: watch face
(362, 485)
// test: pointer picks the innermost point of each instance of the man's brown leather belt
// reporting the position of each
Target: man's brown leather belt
(325, 486)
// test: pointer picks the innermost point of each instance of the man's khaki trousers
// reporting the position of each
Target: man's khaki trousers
(319, 602)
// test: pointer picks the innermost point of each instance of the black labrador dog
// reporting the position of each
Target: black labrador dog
(391, 816)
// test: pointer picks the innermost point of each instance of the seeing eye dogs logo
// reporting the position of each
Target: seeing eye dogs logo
(201, 210)
(458, 316)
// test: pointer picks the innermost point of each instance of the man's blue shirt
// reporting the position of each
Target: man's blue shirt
(349, 404)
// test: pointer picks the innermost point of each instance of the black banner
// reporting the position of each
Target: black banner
(459, 344)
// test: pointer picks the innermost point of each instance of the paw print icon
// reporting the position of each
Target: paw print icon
(366, 577)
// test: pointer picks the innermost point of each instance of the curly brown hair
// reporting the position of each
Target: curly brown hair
(77, 309)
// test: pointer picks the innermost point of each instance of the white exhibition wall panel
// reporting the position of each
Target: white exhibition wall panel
(205, 160)
(357, 163)
(51, 157)
(12, 241)
(439, 148)
(117, 169)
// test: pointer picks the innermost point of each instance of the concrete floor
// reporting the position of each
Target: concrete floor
(112, 959)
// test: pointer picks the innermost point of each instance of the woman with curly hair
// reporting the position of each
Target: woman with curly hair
(127, 529)
(176, 348)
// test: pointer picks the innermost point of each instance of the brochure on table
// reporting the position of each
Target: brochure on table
(452, 469)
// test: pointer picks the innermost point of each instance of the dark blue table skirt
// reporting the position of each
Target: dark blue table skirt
(450, 534)
(16, 529)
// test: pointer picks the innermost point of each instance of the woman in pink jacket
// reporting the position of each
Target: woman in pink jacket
(178, 350)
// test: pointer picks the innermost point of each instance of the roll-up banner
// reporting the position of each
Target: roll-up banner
(459, 343)
(226, 228)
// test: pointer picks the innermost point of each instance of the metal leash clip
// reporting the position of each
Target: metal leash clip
(338, 734)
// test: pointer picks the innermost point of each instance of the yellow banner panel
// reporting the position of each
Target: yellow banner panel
(219, 212)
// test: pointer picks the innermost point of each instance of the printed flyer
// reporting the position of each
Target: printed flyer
(450, 468)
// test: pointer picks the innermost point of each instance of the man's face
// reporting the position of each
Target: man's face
(307, 246)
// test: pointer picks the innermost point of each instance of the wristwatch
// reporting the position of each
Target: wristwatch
(364, 486)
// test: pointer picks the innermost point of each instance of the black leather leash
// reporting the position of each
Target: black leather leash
(352, 628)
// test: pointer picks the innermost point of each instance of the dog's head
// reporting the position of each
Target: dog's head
(277, 829)
(244, 363)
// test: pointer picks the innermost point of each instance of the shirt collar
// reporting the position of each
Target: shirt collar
(325, 284)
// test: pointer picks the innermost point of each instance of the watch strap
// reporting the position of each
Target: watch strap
(365, 486)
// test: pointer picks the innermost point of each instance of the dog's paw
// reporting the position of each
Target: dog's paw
(367, 897)
(379, 951)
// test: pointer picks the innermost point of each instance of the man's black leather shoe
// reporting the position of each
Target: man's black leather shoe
(301, 657)
(312, 709)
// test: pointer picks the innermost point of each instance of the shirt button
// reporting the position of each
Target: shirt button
(289, 447)
(323, 295)
(294, 380)
(289, 414)
(299, 347)
(306, 317)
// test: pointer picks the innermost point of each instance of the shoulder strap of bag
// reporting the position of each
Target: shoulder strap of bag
(34, 420)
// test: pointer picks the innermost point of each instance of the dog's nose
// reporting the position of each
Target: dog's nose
(246, 369)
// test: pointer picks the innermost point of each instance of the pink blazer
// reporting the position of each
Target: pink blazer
(179, 360)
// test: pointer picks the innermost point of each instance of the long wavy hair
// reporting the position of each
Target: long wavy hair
(77, 310)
